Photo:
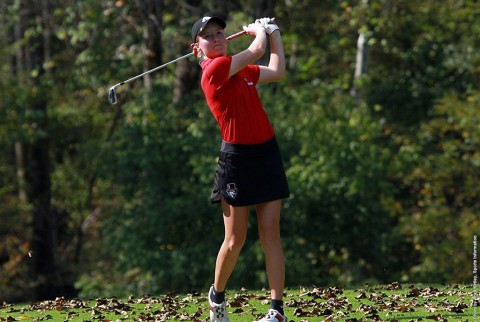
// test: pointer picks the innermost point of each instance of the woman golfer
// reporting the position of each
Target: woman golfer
(250, 170)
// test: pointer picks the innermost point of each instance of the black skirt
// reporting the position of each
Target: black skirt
(250, 174)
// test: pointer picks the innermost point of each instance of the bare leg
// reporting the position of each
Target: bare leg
(268, 216)
(236, 223)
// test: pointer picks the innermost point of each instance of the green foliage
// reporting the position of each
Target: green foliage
(14, 248)
(422, 51)
(164, 210)
(443, 211)
(384, 189)
(341, 209)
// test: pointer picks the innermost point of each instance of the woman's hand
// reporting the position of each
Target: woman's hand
(268, 24)
(254, 29)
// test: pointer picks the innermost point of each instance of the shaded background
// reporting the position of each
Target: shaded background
(377, 121)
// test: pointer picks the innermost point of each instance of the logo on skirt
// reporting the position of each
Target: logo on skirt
(232, 190)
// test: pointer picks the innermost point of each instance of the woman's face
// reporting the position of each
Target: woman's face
(212, 40)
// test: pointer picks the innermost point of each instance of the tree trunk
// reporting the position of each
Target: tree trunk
(44, 237)
(361, 59)
(186, 71)
(20, 164)
(16, 68)
(153, 17)
(32, 155)
(151, 10)
(264, 8)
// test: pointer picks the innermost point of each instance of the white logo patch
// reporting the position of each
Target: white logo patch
(232, 190)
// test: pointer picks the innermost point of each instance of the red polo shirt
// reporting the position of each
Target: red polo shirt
(234, 101)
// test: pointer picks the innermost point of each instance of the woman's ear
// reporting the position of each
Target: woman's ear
(196, 50)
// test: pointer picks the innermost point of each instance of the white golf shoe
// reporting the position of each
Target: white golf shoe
(218, 312)
(273, 316)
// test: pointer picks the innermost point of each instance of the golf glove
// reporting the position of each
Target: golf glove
(268, 24)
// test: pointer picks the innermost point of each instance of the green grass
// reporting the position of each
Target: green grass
(392, 302)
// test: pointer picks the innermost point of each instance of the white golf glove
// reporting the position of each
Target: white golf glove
(268, 24)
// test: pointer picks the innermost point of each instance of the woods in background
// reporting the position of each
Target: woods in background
(383, 164)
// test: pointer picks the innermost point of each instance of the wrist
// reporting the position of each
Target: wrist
(270, 28)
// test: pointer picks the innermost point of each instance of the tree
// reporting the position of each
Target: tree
(442, 217)
(29, 60)
(124, 189)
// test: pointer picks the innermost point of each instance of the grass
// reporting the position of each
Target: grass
(392, 302)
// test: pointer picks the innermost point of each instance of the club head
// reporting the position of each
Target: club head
(112, 95)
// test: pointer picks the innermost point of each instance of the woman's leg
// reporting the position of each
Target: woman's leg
(236, 223)
(268, 217)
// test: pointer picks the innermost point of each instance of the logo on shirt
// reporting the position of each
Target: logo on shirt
(248, 82)
(232, 190)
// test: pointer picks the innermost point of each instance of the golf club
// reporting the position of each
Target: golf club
(112, 94)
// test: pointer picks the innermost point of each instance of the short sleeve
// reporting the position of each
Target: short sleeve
(216, 70)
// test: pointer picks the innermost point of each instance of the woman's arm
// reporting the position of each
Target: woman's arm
(254, 52)
(275, 70)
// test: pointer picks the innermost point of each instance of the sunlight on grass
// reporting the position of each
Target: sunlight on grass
(393, 302)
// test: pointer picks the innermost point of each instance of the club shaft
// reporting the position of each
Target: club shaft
(236, 35)
(154, 69)
(112, 96)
